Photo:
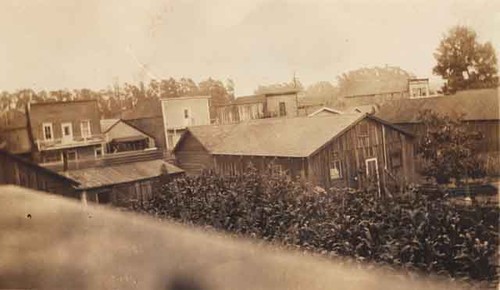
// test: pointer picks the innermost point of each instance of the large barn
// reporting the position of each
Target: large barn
(340, 150)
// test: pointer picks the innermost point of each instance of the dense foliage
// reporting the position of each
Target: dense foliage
(448, 146)
(413, 231)
(121, 97)
(464, 62)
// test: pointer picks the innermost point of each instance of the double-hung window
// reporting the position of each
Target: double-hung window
(85, 128)
(48, 132)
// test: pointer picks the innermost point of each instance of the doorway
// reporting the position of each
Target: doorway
(372, 173)
(67, 132)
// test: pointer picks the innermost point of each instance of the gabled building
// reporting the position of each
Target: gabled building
(268, 105)
(180, 113)
(65, 131)
(147, 117)
(122, 136)
(340, 150)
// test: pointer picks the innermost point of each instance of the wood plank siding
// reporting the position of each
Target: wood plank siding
(340, 162)
(15, 170)
(193, 157)
(350, 151)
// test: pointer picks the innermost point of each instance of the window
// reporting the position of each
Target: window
(98, 151)
(186, 113)
(335, 167)
(85, 128)
(282, 109)
(72, 155)
(47, 131)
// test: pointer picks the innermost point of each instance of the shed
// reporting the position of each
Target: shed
(118, 184)
(337, 150)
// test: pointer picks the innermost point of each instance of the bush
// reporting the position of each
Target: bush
(412, 231)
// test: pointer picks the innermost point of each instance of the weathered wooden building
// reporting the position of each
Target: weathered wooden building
(19, 171)
(340, 150)
(14, 132)
(479, 109)
(122, 178)
(115, 179)
(65, 130)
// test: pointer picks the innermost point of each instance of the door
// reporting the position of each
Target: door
(372, 173)
(67, 132)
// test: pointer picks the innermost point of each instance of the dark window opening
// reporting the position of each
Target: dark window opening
(282, 109)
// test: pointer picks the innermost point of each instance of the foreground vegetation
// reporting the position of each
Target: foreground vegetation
(413, 231)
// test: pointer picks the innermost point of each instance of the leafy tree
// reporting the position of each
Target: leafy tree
(369, 80)
(448, 147)
(280, 87)
(464, 62)
(217, 91)
(187, 87)
(322, 92)
(169, 88)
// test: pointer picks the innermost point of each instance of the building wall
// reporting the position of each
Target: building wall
(192, 156)
(17, 140)
(367, 140)
(252, 111)
(351, 101)
(173, 112)
(123, 194)
(15, 171)
(122, 130)
(82, 153)
(174, 117)
(232, 164)
(61, 112)
(227, 114)
(152, 126)
(273, 108)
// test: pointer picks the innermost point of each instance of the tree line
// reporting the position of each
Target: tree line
(121, 97)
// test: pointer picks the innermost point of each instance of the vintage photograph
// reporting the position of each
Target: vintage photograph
(249, 144)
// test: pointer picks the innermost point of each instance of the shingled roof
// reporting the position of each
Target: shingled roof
(474, 105)
(286, 137)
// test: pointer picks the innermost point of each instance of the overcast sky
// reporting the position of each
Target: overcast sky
(56, 44)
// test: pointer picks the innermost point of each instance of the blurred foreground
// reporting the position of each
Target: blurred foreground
(51, 242)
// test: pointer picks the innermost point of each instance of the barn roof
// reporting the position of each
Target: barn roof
(480, 104)
(117, 174)
(286, 137)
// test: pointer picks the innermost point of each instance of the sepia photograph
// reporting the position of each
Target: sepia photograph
(249, 144)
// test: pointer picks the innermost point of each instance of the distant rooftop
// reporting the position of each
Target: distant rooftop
(482, 104)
